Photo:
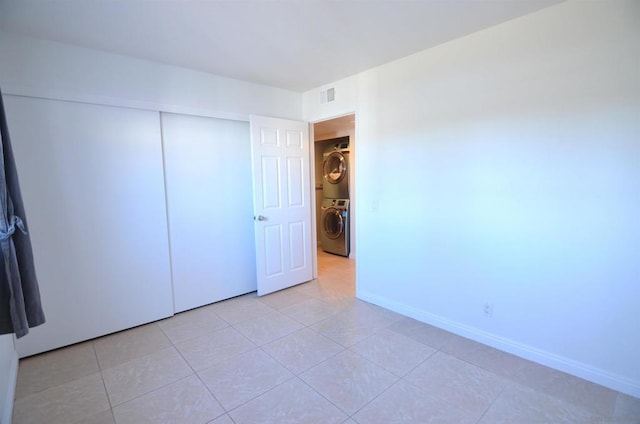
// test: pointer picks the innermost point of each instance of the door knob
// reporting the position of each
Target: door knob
(261, 218)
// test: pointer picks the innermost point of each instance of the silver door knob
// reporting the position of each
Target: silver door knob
(261, 218)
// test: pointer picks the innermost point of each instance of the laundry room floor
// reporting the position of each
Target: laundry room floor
(309, 354)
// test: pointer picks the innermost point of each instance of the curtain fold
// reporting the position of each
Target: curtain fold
(20, 304)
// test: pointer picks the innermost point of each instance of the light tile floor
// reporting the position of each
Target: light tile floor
(309, 354)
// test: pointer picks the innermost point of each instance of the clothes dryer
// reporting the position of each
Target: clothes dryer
(334, 233)
(335, 170)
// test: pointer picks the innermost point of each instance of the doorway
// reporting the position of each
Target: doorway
(329, 136)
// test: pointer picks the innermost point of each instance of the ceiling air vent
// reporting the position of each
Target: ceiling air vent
(328, 95)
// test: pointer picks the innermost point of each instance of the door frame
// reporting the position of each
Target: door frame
(352, 187)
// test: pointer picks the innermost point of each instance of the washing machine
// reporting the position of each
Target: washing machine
(334, 221)
(335, 170)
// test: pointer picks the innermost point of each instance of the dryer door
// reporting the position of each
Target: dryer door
(334, 168)
(333, 223)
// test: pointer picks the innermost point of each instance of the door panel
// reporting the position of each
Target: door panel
(273, 242)
(280, 150)
(209, 200)
(295, 168)
(271, 192)
(93, 187)
(296, 231)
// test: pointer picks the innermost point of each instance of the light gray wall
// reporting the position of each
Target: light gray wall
(505, 167)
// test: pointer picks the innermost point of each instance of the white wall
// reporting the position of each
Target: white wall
(8, 374)
(506, 169)
(42, 68)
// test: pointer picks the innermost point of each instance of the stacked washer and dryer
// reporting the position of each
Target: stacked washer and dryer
(334, 221)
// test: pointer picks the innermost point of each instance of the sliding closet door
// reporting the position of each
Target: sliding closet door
(209, 202)
(92, 182)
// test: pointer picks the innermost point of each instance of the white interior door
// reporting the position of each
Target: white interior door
(282, 202)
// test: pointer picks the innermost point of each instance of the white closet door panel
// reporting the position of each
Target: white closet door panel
(209, 201)
(93, 187)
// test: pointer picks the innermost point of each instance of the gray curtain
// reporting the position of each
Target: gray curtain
(20, 306)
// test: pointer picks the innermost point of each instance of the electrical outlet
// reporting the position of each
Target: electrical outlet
(488, 310)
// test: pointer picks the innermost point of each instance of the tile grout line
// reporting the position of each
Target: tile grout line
(104, 384)
(196, 373)
(293, 376)
(324, 397)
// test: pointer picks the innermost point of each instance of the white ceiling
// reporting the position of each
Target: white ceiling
(294, 44)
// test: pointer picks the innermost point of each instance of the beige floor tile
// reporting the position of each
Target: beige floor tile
(344, 332)
(186, 401)
(312, 311)
(268, 327)
(132, 379)
(330, 289)
(104, 417)
(283, 299)
(310, 288)
(394, 352)
(191, 324)
(627, 408)
(494, 360)
(406, 404)
(290, 403)
(509, 366)
(421, 332)
(239, 379)
(54, 368)
(127, 345)
(336, 291)
(467, 386)
(206, 351)
(354, 324)
(584, 394)
(224, 419)
(520, 370)
(65, 404)
(362, 310)
(348, 380)
(590, 396)
(522, 405)
(241, 308)
(302, 350)
(336, 279)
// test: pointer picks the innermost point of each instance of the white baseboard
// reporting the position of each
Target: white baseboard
(558, 362)
(7, 407)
